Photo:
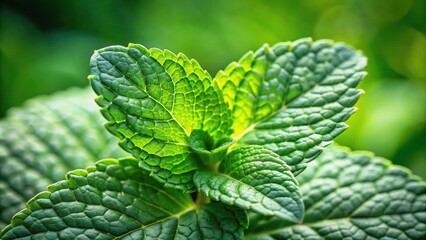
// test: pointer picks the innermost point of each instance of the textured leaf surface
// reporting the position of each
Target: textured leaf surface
(292, 98)
(153, 100)
(255, 178)
(42, 141)
(118, 200)
(354, 195)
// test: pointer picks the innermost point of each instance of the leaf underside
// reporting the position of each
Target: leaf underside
(353, 195)
(117, 199)
(153, 100)
(293, 98)
(252, 177)
(43, 140)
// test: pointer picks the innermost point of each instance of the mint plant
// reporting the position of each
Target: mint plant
(224, 157)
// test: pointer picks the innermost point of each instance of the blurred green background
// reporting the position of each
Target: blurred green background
(46, 45)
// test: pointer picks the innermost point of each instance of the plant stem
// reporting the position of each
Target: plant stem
(202, 199)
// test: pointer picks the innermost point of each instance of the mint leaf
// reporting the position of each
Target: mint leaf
(354, 195)
(254, 178)
(292, 98)
(43, 140)
(117, 199)
(153, 100)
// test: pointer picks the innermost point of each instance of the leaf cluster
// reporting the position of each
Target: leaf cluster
(222, 157)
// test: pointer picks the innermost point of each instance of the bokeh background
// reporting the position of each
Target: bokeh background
(45, 46)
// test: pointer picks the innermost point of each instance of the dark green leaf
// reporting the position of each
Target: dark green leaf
(118, 200)
(43, 140)
(353, 195)
(254, 178)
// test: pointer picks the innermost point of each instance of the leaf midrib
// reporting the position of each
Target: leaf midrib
(176, 215)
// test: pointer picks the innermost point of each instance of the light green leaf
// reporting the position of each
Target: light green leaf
(118, 200)
(292, 98)
(252, 177)
(43, 140)
(353, 195)
(153, 100)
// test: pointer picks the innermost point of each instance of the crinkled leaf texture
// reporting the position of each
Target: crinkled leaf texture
(292, 98)
(153, 100)
(252, 177)
(353, 195)
(43, 140)
(118, 200)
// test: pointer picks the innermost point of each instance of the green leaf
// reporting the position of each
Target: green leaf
(206, 149)
(292, 98)
(43, 140)
(153, 100)
(118, 200)
(252, 177)
(354, 195)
